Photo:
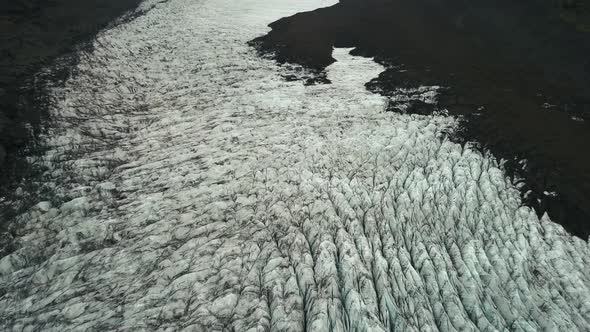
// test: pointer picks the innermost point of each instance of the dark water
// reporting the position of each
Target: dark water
(32, 34)
(518, 73)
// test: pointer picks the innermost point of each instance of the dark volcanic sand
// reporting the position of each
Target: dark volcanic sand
(32, 34)
(509, 57)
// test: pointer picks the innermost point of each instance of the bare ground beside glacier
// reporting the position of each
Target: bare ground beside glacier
(33, 33)
(195, 189)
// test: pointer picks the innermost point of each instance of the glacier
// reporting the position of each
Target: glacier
(194, 188)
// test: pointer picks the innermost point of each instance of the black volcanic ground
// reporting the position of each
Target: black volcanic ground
(517, 72)
(32, 34)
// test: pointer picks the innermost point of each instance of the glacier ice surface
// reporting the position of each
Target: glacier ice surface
(195, 189)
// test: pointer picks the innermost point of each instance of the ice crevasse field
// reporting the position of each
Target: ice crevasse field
(196, 189)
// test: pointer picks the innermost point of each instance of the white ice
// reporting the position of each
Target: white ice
(195, 189)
